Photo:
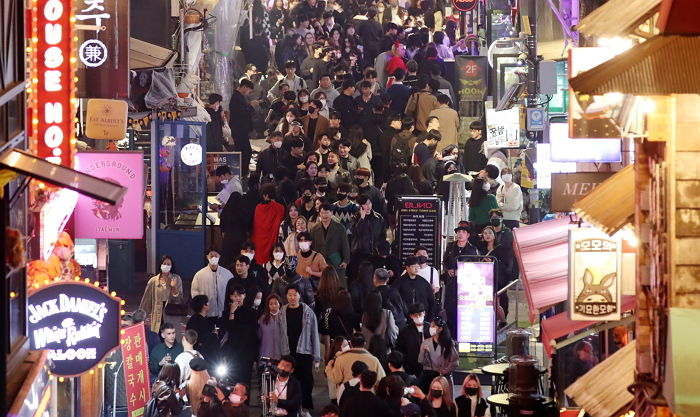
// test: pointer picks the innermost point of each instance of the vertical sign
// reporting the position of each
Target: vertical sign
(103, 48)
(471, 77)
(420, 224)
(52, 91)
(476, 313)
(594, 275)
(99, 220)
(503, 128)
(135, 365)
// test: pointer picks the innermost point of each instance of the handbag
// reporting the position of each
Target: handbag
(174, 309)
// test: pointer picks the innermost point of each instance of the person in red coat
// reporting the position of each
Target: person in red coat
(266, 222)
(396, 60)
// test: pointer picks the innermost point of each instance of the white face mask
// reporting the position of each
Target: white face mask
(323, 102)
(433, 331)
(345, 348)
(257, 302)
(486, 186)
(250, 255)
(418, 321)
(224, 182)
(290, 119)
(448, 158)
(277, 144)
(165, 268)
(305, 246)
(235, 398)
(303, 99)
(214, 260)
(278, 255)
(507, 177)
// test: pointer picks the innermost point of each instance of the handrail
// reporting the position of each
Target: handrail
(510, 284)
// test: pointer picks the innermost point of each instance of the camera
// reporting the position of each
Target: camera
(408, 391)
(269, 365)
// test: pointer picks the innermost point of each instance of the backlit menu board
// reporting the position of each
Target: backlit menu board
(476, 314)
(420, 224)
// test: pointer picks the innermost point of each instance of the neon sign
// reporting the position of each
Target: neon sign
(53, 218)
(476, 314)
(52, 93)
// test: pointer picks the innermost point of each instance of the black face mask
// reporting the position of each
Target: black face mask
(341, 196)
(422, 260)
(322, 189)
(351, 198)
(496, 222)
(332, 165)
(325, 146)
(306, 198)
(471, 391)
(283, 374)
(358, 181)
(436, 393)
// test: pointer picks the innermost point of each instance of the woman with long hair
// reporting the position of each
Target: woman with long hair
(438, 354)
(170, 374)
(335, 39)
(480, 205)
(440, 398)
(342, 319)
(303, 101)
(269, 329)
(328, 288)
(505, 259)
(360, 147)
(362, 284)
(287, 225)
(378, 327)
(193, 389)
(275, 266)
(336, 347)
(472, 403)
(415, 173)
(291, 246)
(163, 289)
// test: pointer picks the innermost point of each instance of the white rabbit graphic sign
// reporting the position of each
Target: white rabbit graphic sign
(594, 271)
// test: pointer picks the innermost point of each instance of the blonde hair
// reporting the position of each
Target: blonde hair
(446, 392)
(472, 377)
(197, 381)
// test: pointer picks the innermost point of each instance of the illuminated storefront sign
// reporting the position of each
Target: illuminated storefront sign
(566, 149)
(78, 322)
(476, 313)
(52, 93)
(594, 275)
(53, 217)
(135, 357)
(99, 220)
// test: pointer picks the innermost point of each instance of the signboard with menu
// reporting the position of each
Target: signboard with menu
(135, 364)
(77, 321)
(420, 224)
(476, 313)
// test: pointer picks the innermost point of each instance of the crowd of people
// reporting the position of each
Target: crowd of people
(354, 103)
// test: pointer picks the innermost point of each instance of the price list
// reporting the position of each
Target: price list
(419, 224)
(475, 307)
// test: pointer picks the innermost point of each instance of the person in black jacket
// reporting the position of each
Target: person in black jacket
(345, 104)
(269, 159)
(411, 338)
(215, 133)
(242, 276)
(471, 391)
(364, 403)
(241, 122)
(286, 392)
(371, 33)
(368, 230)
(207, 341)
(361, 179)
(474, 158)
(460, 247)
(391, 299)
(293, 160)
(414, 288)
(241, 324)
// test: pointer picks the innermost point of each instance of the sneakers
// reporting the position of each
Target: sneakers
(304, 413)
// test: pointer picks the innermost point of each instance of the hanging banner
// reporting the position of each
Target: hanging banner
(99, 220)
(52, 100)
(135, 364)
(77, 321)
(595, 267)
(464, 5)
(503, 128)
(476, 313)
(106, 119)
(420, 224)
(103, 48)
(471, 77)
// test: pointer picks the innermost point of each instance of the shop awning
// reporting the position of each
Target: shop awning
(660, 66)
(602, 392)
(682, 389)
(617, 17)
(32, 166)
(147, 55)
(610, 206)
(560, 325)
(542, 250)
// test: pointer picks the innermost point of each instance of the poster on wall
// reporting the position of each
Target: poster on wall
(476, 313)
(420, 224)
(217, 159)
(99, 220)
(77, 321)
(594, 275)
(135, 364)
(471, 77)
(503, 128)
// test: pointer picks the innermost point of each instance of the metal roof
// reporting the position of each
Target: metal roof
(617, 17)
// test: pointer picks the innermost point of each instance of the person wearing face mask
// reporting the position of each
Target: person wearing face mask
(215, 128)
(266, 222)
(296, 133)
(293, 160)
(426, 271)
(362, 181)
(310, 264)
(472, 403)
(211, 281)
(163, 289)
(438, 354)
(480, 204)
(368, 230)
(235, 405)
(239, 325)
(242, 277)
(411, 338)
(287, 390)
(269, 328)
(305, 202)
(274, 268)
(270, 158)
(314, 124)
(343, 209)
(510, 198)
(439, 398)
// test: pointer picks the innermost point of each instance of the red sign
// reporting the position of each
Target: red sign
(52, 93)
(135, 356)
(464, 5)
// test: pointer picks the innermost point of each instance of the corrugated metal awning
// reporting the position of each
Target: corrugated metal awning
(610, 206)
(617, 17)
(602, 392)
(660, 66)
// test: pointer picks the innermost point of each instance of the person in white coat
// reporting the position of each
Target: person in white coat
(211, 281)
(510, 198)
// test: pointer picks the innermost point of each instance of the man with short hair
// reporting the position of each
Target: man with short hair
(368, 230)
(391, 299)
(241, 122)
(309, 63)
(287, 390)
(395, 362)
(424, 153)
(294, 160)
(399, 92)
(215, 132)
(346, 106)
(340, 370)
(344, 209)
(313, 123)
(295, 82)
(459, 247)
(420, 105)
(449, 122)
(271, 157)
(366, 101)
(353, 385)
(364, 403)
(239, 320)
(474, 157)
(165, 352)
(241, 276)
(325, 85)
(152, 338)
(444, 86)
(426, 271)
(411, 338)
(236, 405)
(415, 289)
(361, 180)
(211, 281)
(371, 33)
(331, 240)
(189, 339)
(347, 162)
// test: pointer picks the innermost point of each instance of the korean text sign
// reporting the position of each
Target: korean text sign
(76, 321)
(99, 220)
(476, 312)
(135, 356)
